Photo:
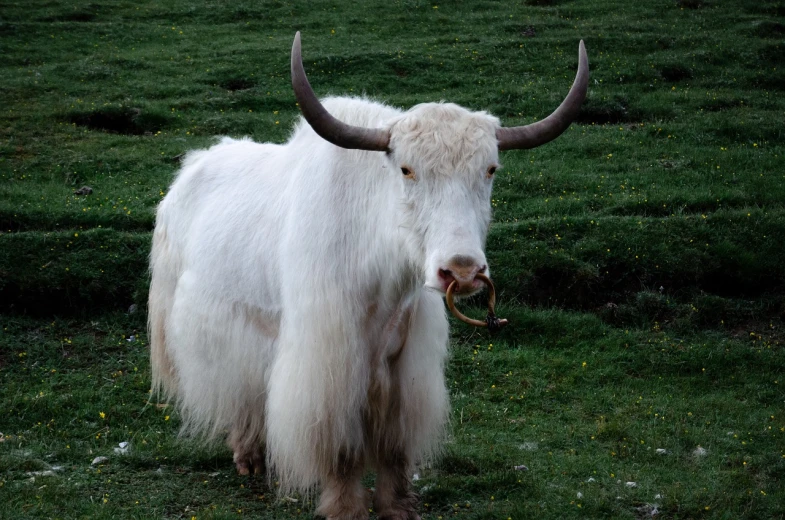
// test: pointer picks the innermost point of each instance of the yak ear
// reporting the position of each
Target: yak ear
(324, 124)
(541, 132)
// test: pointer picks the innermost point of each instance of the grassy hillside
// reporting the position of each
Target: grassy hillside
(639, 256)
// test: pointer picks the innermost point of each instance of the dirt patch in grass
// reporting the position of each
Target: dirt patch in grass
(691, 4)
(665, 42)
(675, 73)
(76, 12)
(59, 273)
(769, 80)
(607, 111)
(234, 84)
(720, 104)
(769, 29)
(579, 287)
(771, 7)
(541, 3)
(85, 14)
(120, 120)
(12, 221)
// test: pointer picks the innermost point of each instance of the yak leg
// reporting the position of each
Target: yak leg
(394, 499)
(418, 409)
(343, 496)
(248, 452)
(246, 438)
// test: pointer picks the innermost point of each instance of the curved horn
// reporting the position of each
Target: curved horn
(332, 130)
(535, 134)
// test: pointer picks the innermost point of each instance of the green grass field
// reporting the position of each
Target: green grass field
(639, 257)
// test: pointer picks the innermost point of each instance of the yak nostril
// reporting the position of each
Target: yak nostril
(482, 269)
(446, 274)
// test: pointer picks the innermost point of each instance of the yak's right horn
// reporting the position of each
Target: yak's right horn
(541, 132)
(332, 130)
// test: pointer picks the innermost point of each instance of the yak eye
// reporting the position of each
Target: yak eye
(407, 172)
(491, 170)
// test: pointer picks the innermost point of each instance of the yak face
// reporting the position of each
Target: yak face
(445, 158)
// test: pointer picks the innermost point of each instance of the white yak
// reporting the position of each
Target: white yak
(296, 293)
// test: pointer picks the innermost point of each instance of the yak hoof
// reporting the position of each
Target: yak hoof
(399, 515)
(357, 515)
(250, 463)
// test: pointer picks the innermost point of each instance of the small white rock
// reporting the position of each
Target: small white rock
(648, 510)
(99, 460)
(122, 448)
(415, 477)
(44, 473)
(699, 452)
(658, 496)
(521, 467)
(579, 495)
(631, 484)
(661, 451)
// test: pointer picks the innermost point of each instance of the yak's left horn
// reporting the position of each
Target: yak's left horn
(541, 132)
(337, 132)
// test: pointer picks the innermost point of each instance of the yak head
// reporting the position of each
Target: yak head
(446, 157)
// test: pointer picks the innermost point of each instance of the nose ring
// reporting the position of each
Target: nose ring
(492, 323)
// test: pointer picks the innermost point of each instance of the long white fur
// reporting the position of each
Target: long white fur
(283, 274)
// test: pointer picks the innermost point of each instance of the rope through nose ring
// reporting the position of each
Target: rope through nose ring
(492, 323)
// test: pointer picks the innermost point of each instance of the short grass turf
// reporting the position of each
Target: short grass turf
(638, 256)
(571, 418)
